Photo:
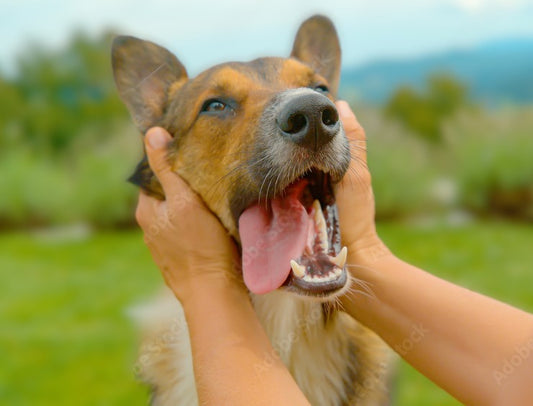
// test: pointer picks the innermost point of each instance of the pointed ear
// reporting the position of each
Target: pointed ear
(317, 45)
(144, 74)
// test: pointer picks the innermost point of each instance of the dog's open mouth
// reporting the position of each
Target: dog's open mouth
(294, 240)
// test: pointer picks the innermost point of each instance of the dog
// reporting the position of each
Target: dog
(261, 142)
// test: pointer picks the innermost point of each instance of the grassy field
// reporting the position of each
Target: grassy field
(65, 337)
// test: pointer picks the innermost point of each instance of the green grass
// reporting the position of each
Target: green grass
(65, 337)
(491, 258)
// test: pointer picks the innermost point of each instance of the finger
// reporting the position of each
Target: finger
(352, 128)
(177, 192)
(156, 143)
(182, 198)
(145, 210)
(152, 215)
(354, 132)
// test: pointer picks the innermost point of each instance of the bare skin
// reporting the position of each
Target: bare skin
(466, 343)
(198, 262)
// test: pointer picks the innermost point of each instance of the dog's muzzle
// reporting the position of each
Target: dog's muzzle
(307, 118)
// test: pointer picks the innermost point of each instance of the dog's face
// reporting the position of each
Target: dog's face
(261, 143)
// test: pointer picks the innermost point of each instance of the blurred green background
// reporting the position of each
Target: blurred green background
(450, 140)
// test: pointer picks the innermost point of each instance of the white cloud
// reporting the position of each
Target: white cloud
(470, 5)
(474, 6)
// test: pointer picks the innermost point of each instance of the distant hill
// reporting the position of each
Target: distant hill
(496, 72)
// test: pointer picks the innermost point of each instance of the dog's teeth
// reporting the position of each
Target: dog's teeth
(316, 206)
(340, 259)
(321, 227)
(297, 269)
(323, 278)
(329, 277)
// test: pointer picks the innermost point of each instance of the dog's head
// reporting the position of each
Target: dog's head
(261, 143)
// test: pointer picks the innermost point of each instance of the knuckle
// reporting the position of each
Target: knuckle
(184, 202)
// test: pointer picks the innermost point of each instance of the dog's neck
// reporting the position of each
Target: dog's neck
(316, 351)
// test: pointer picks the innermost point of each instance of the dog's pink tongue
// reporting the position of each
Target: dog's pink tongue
(270, 239)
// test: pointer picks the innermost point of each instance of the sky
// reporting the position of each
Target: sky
(202, 33)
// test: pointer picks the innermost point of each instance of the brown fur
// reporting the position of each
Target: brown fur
(213, 154)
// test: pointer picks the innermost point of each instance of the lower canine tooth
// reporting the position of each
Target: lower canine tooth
(298, 269)
(340, 259)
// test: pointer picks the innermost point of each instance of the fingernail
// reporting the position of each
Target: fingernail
(157, 138)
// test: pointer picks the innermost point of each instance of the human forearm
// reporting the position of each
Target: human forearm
(197, 259)
(455, 337)
(229, 348)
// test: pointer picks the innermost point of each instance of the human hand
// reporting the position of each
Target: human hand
(187, 242)
(354, 195)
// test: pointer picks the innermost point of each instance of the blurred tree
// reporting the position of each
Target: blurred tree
(65, 92)
(446, 94)
(424, 112)
(11, 109)
(64, 138)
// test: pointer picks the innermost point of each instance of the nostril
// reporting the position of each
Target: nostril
(294, 124)
(330, 117)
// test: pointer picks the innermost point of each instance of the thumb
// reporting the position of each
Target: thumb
(156, 142)
(354, 131)
(351, 125)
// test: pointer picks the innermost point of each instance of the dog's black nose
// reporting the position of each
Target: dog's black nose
(309, 119)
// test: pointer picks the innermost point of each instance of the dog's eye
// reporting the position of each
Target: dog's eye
(322, 89)
(213, 105)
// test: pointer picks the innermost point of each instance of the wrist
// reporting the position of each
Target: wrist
(368, 259)
(214, 305)
(368, 250)
(198, 274)
(203, 288)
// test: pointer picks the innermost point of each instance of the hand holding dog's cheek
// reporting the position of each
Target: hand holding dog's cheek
(186, 240)
(354, 195)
